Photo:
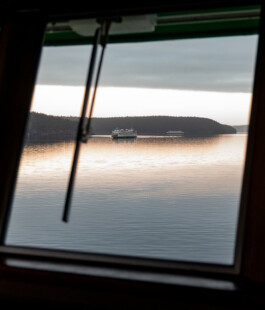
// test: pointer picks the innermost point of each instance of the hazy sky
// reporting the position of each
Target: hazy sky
(167, 78)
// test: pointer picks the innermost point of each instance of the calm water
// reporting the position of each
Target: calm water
(157, 197)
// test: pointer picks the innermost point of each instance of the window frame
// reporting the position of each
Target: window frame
(249, 263)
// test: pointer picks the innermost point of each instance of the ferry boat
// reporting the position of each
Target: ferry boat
(175, 133)
(124, 133)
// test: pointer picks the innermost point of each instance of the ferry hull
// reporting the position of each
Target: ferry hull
(123, 137)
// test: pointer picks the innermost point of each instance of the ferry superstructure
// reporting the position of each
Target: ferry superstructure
(124, 133)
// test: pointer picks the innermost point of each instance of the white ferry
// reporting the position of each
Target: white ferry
(124, 133)
(175, 133)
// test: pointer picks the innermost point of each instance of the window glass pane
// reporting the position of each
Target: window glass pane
(172, 192)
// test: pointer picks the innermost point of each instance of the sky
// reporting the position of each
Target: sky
(193, 77)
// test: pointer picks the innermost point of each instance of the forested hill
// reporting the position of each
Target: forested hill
(43, 127)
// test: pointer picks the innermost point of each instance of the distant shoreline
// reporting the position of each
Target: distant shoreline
(241, 128)
(42, 127)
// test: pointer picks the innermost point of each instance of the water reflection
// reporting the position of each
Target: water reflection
(125, 141)
(165, 197)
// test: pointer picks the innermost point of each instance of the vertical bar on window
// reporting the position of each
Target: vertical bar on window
(87, 130)
(20, 48)
(81, 126)
(252, 217)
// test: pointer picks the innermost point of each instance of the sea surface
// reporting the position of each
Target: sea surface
(173, 198)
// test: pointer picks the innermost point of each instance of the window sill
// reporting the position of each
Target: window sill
(53, 283)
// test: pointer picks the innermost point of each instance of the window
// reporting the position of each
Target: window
(213, 143)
